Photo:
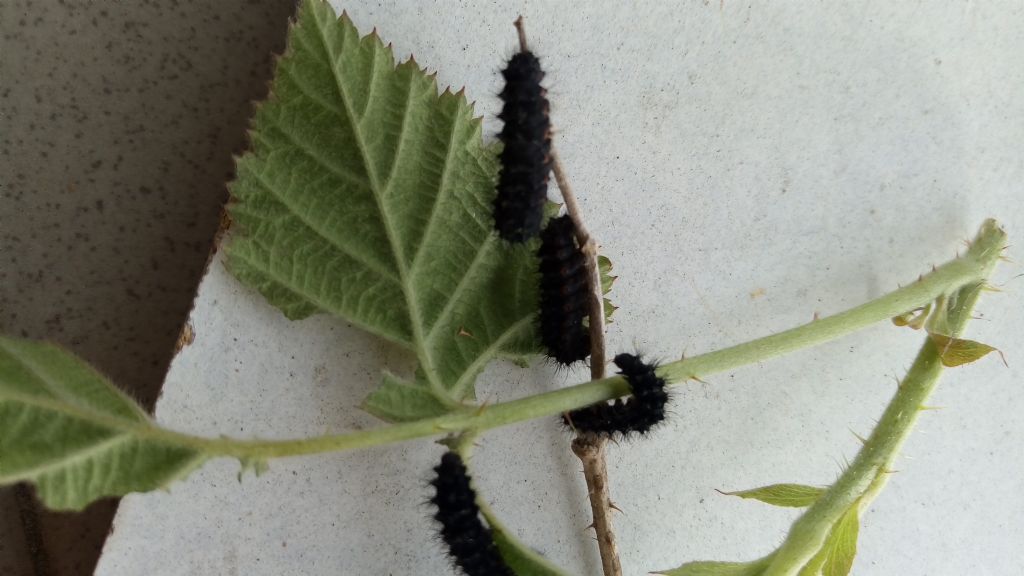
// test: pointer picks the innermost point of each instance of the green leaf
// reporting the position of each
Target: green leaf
(786, 495)
(957, 351)
(755, 568)
(397, 400)
(605, 268)
(523, 560)
(958, 306)
(605, 265)
(837, 554)
(64, 427)
(367, 196)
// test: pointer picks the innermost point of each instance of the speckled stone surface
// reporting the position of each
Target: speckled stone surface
(117, 125)
(745, 165)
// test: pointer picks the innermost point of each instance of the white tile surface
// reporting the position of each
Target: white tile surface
(821, 153)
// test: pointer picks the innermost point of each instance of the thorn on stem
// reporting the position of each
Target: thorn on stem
(862, 439)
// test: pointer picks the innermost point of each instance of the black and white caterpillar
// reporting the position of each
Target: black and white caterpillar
(637, 414)
(563, 293)
(526, 156)
(470, 542)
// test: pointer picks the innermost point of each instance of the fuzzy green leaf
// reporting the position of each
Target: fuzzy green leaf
(367, 196)
(786, 495)
(755, 568)
(397, 400)
(64, 427)
(837, 554)
(958, 351)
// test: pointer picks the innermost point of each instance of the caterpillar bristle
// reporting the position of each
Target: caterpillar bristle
(638, 414)
(526, 156)
(470, 542)
(563, 293)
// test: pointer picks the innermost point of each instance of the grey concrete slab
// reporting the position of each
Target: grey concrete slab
(117, 125)
(746, 166)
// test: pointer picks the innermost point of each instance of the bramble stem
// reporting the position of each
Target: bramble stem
(861, 482)
(589, 448)
(969, 269)
(589, 246)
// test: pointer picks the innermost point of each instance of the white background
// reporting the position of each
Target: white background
(744, 166)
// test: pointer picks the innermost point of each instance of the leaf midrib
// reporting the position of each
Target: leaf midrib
(61, 393)
(141, 430)
(67, 459)
(415, 315)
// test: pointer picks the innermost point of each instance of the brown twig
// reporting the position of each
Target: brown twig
(589, 247)
(590, 449)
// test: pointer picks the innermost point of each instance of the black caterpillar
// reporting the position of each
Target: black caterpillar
(563, 293)
(470, 542)
(526, 157)
(638, 414)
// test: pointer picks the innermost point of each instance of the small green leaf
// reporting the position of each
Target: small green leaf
(838, 552)
(605, 266)
(523, 560)
(754, 568)
(255, 465)
(397, 400)
(914, 319)
(786, 495)
(609, 309)
(957, 351)
(66, 428)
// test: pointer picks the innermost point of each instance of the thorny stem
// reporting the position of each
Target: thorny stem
(969, 269)
(589, 247)
(588, 447)
(865, 477)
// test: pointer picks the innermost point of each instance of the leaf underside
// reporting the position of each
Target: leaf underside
(837, 553)
(66, 428)
(367, 196)
(785, 495)
(710, 568)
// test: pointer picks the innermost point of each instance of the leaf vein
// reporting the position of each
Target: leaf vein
(453, 298)
(442, 185)
(487, 353)
(66, 459)
(314, 227)
(317, 301)
(415, 317)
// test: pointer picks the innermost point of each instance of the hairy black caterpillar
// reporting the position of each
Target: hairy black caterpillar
(470, 542)
(526, 157)
(638, 414)
(563, 293)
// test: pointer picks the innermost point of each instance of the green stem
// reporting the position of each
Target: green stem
(971, 268)
(861, 482)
